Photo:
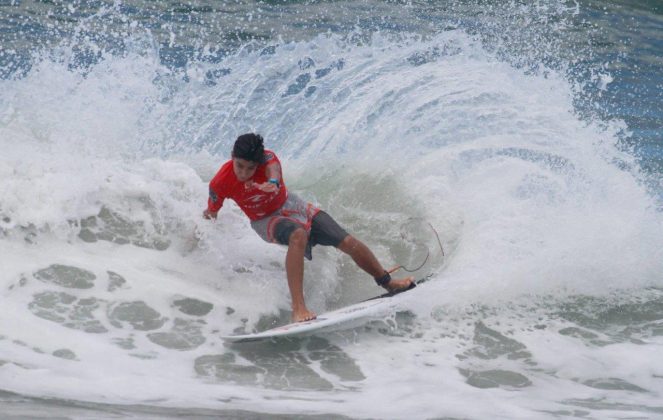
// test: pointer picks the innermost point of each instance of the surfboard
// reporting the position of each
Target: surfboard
(339, 319)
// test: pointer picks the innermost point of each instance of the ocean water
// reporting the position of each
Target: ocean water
(528, 134)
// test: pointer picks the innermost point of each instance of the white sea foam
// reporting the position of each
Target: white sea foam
(105, 172)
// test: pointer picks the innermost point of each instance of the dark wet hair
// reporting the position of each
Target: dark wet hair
(249, 147)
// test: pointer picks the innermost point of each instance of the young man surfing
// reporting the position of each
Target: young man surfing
(253, 179)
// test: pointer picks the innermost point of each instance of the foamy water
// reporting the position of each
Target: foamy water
(115, 290)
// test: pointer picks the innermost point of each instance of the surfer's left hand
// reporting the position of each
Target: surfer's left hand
(267, 187)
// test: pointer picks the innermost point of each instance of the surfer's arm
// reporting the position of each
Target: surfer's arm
(214, 203)
(273, 173)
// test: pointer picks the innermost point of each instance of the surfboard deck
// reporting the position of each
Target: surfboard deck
(339, 319)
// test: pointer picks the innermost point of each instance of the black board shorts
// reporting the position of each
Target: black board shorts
(324, 230)
(320, 227)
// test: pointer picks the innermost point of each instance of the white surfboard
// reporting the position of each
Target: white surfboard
(340, 319)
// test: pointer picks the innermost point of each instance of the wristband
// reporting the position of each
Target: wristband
(275, 182)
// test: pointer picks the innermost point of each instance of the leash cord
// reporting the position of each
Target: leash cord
(412, 270)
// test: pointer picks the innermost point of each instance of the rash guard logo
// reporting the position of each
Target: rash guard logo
(213, 196)
(256, 198)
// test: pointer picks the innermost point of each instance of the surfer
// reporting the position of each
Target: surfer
(253, 179)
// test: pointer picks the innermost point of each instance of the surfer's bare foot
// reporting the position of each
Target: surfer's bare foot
(301, 315)
(398, 284)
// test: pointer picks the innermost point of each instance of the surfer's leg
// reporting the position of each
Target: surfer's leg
(326, 231)
(294, 267)
(291, 232)
(367, 261)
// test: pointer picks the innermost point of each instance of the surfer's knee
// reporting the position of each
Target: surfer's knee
(348, 244)
(298, 238)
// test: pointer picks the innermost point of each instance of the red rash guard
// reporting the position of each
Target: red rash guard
(256, 204)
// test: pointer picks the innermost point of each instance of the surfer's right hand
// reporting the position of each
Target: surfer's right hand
(209, 215)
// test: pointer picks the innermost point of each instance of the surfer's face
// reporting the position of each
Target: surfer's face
(244, 169)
